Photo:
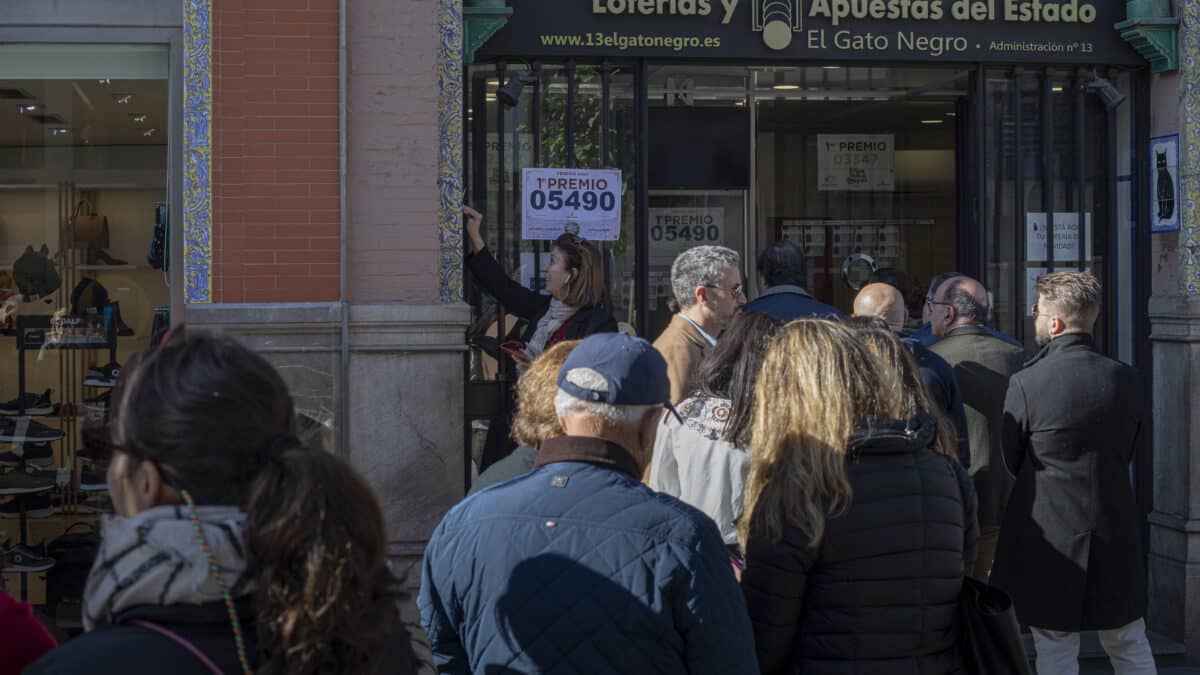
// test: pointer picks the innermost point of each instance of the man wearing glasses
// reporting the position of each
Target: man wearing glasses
(707, 284)
(983, 364)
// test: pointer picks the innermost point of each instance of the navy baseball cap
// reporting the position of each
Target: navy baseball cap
(634, 370)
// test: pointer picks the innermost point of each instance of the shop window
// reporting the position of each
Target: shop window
(83, 274)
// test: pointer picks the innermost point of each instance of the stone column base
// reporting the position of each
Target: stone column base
(392, 395)
(1174, 560)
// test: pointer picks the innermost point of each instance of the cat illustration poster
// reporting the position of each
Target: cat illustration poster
(1164, 183)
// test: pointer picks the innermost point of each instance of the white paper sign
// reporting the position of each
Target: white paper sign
(1164, 184)
(856, 162)
(586, 202)
(672, 231)
(1066, 237)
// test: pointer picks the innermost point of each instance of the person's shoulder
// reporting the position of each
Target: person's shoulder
(115, 650)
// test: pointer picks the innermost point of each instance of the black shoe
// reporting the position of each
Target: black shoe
(104, 377)
(21, 483)
(35, 404)
(24, 429)
(36, 506)
(21, 558)
(33, 454)
(92, 481)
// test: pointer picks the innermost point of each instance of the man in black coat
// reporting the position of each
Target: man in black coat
(1070, 550)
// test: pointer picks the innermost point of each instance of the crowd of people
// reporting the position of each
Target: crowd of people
(770, 486)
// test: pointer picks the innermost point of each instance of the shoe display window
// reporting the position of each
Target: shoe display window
(84, 284)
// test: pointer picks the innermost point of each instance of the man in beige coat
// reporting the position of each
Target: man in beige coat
(707, 283)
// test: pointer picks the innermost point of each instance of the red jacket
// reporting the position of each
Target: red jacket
(22, 638)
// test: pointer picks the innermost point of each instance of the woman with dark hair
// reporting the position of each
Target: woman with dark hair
(573, 310)
(703, 460)
(234, 547)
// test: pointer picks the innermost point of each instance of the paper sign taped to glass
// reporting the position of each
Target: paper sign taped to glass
(585, 202)
(1066, 237)
(856, 162)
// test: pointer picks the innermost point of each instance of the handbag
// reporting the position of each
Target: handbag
(73, 553)
(156, 254)
(990, 639)
(87, 227)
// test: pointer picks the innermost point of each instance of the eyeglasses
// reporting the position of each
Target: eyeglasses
(934, 302)
(736, 290)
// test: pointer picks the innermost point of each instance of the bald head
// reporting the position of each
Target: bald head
(882, 301)
(961, 301)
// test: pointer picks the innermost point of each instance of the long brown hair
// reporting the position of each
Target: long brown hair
(220, 423)
(816, 382)
(536, 421)
(586, 288)
(914, 394)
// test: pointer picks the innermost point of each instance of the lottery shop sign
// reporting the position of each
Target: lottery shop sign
(586, 202)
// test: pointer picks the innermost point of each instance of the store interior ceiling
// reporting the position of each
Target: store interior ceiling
(97, 112)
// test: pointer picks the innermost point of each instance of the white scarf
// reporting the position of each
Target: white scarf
(550, 322)
(154, 558)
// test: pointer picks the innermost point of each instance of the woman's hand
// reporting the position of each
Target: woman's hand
(474, 222)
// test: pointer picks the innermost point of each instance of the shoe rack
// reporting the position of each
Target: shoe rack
(67, 336)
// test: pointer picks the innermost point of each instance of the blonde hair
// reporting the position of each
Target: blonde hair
(914, 394)
(535, 421)
(817, 382)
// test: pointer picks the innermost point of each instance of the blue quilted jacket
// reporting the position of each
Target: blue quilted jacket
(578, 567)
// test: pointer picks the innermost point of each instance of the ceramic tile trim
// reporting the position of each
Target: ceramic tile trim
(197, 151)
(1189, 175)
(450, 149)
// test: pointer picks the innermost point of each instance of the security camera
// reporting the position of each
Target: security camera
(1109, 95)
(510, 93)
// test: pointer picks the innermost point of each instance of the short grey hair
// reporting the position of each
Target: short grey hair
(567, 405)
(965, 305)
(699, 266)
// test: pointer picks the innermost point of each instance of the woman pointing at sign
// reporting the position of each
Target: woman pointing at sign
(573, 310)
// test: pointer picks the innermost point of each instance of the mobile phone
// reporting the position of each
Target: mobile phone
(515, 349)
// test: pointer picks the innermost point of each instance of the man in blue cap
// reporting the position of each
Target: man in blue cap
(577, 567)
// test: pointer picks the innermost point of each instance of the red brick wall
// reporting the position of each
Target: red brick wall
(275, 151)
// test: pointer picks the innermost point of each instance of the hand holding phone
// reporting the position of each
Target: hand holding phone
(516, 350)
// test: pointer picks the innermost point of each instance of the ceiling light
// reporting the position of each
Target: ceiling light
(932, 121)
(104, 80)
(30, 107)
(739, 103)
(138, 117)
(493, 82)
(1058, 89)
(149, 132)
(490, 97)
(785, 87)
(832, 67)
(951, 114)
(59, 132)
(123, 99)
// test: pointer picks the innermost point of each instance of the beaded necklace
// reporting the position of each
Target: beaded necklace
(215, 571)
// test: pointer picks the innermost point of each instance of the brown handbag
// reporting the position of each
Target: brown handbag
(87, 228)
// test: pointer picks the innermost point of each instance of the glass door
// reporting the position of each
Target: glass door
(858, 167)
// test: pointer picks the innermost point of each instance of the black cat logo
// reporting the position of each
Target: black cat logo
(1166, 188)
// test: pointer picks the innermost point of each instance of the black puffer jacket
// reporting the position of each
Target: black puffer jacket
(879, 594)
